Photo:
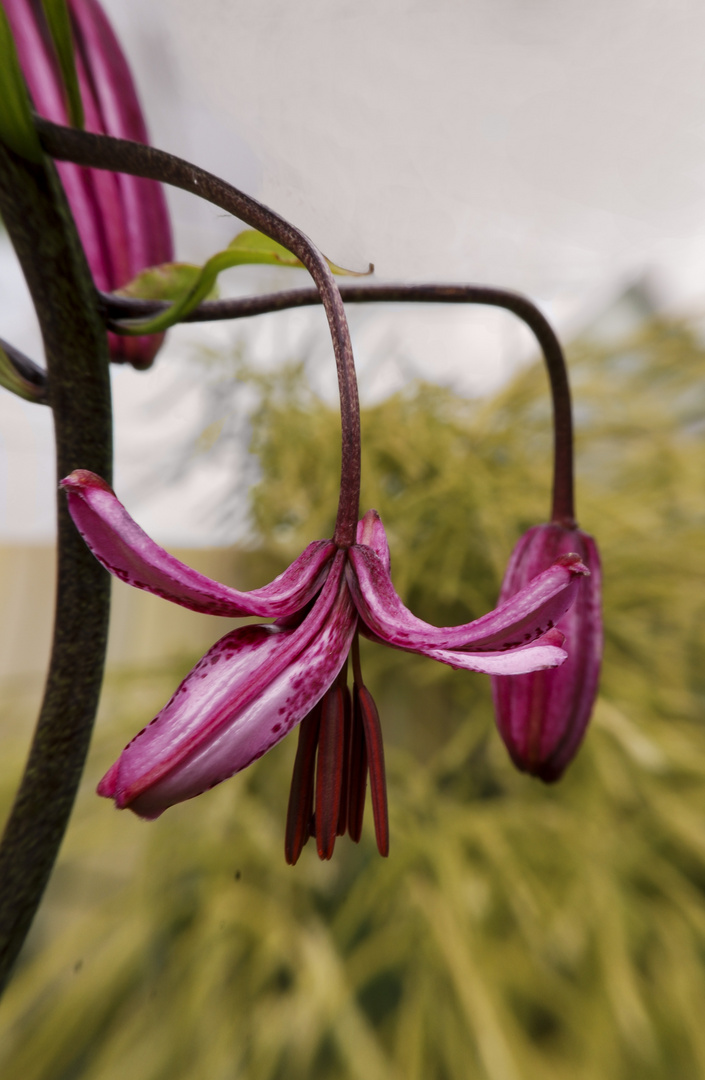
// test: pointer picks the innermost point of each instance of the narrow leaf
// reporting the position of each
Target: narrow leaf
(16, 124)
(248, 248)
(168, 281)
(255, 247)
(21, 376)
(57, 17)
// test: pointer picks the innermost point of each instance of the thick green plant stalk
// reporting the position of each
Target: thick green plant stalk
(37, 218)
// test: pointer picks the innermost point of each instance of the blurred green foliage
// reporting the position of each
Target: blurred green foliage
(517, 931)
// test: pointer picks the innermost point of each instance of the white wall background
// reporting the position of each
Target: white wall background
(550, 146)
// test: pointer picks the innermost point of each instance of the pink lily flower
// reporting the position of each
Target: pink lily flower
(260, 681)
(122, 220)
(542, 716)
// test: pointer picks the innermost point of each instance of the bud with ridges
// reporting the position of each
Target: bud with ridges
(122, 220)
(542, 716)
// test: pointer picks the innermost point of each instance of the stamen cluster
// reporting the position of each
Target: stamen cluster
(340, 741)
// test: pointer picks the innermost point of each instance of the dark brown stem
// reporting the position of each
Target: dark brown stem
(34, 210)
(117, 307)
(119, 155)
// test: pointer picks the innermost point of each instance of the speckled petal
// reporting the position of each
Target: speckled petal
(127, 552)
(523, 618)
(252, 688)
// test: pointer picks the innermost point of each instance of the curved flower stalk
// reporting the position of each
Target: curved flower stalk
(258, 682)
(122, 220)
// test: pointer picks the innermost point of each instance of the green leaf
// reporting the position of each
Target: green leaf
(251, 246)
(255, 247)
(57, 17)
(16, 123)
(16, 382)
(168, 281)
(248, 247)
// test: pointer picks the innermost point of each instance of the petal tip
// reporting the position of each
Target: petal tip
(108, 785)
(573, 562)
(366, 527)
(80, 479)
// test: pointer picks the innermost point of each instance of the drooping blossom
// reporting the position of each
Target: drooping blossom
(542, 715)
(122, 220)
(259, 681)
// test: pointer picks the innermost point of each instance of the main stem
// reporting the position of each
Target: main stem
(120, 155)
(37, 218)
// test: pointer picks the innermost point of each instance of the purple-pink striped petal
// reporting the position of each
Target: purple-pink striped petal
(528, 615)
(131, 555)
(252, 688)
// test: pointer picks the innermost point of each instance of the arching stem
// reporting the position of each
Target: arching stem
(120, 155)
(562, 512)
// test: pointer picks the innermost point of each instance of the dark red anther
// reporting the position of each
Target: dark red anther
(340, 741)
(329, 771)
(375, 759)
(357, 782)
(345, 786)
(300, 811)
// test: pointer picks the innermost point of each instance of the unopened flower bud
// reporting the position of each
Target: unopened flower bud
(542, 716)
(122, 220)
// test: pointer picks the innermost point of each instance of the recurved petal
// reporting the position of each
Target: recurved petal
(545, 652)
(253, 687)
(127, 552)
(521, 619)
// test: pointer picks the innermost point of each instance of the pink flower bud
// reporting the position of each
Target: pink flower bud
(122, 220)
(542, 716)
